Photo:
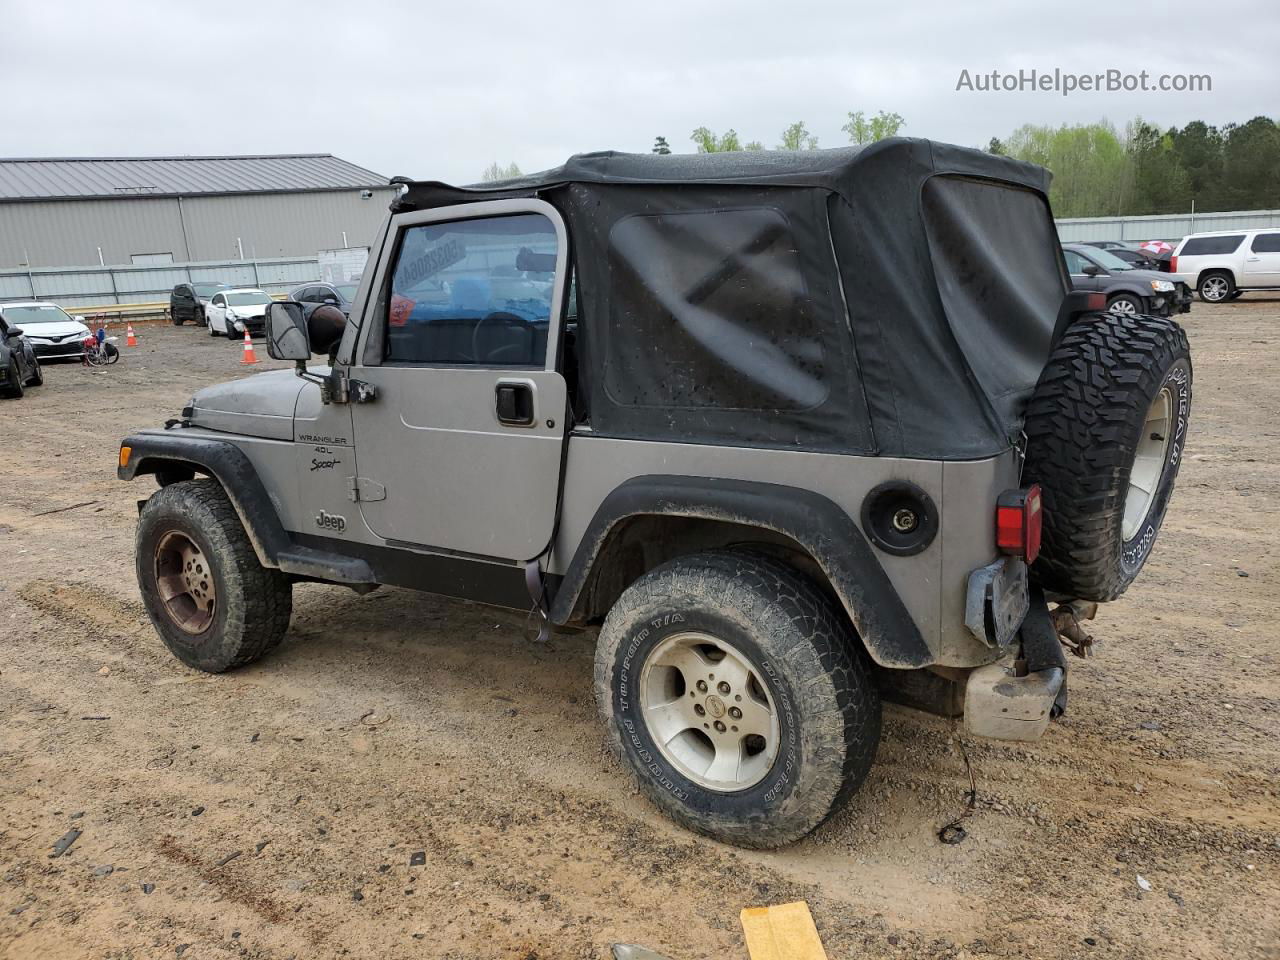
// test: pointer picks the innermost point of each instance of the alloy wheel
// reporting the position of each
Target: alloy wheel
(708, 712)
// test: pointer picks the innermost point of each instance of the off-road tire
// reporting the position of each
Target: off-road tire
(817, 674)
(14, 390)
(1083, 426)
(253, 602)
(177, 320)
(1216, 275)
(198, 318)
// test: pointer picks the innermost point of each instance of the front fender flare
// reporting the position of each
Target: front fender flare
(815, 522)
(231, 467)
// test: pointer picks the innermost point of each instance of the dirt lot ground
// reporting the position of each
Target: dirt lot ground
(281, 811)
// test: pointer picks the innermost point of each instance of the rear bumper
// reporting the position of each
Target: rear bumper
(1005, 701)
(1016, 697)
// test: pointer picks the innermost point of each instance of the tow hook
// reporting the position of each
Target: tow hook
(1066, 620)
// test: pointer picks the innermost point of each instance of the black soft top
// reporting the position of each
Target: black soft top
(898, 299)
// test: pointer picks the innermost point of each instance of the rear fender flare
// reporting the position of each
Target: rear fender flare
(817, 524)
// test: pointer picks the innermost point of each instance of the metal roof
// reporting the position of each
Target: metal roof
(52, 178)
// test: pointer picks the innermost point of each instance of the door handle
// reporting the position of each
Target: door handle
(1253, 259)
(514, 403)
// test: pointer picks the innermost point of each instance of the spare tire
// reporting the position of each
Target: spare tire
(1105, 433)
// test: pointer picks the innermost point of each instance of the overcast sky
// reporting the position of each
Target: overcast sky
(439, 90)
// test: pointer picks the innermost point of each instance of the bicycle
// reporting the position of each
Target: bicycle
(99, 353)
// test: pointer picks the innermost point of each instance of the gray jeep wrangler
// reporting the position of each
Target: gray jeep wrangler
(799, 431)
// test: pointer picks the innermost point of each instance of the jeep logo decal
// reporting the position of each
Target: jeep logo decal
(330, 521)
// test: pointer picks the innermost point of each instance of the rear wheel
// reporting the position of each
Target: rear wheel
(1216, 287)
(1105, 431)
(213, 604)
(739, 697)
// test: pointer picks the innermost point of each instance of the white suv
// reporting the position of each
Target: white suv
(1223, 265)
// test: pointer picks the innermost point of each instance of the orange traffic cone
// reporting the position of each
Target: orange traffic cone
(131, 338)
(248, 349)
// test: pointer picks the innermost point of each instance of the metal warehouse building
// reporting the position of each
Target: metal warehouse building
(67, 212)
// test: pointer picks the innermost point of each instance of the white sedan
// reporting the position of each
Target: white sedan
(50, 330)
(231, 311)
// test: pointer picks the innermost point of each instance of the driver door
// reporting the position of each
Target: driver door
(461, 449)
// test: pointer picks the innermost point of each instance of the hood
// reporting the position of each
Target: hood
(45, 331)
(1140, 276)
(257, 406)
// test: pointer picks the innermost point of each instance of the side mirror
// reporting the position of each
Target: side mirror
(287, 336)
(15, 331)
(1092, 270)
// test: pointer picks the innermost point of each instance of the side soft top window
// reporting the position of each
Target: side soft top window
(472, 292)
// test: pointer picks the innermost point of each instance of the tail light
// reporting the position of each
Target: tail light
(1018, 521)
(1173, 264)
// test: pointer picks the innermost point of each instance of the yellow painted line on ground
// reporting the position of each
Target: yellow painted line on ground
(782, 932)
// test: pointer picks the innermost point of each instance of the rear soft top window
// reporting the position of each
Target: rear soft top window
(996, 258)
(1202, 246)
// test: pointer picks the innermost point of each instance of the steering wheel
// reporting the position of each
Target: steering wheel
(498, 316)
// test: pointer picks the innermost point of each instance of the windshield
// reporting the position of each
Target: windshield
(247, 299)
(1108, 261)
(25, 316)
(207, 289)
(348, 291)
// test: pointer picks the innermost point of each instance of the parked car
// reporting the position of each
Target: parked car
(190, 301)
(19, 365)
(52, 332)
(312, 295)
(1222, 265)
(773, 527)
(1109, 244)
(1129, 291)
(231, 311)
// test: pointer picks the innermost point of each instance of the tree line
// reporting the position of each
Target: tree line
(860, 128)
(1097, 169)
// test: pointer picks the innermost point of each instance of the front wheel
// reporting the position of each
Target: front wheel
(14, 389)
(213, 604)
(739, 697)
(37, 375)
(1125, 305)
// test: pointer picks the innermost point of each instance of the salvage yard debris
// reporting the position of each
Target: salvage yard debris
(64, 844)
